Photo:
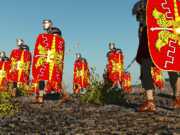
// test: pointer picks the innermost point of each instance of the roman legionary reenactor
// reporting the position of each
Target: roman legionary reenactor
(144, 59)
(115, 66)
(81, 79)
(20, 59)
(4, 70)
(48, 61)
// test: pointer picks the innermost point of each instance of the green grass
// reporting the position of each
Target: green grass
(100, 91)
(6, 105)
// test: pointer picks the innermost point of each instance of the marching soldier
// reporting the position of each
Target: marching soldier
(115, 66)
(48, 28)
(146, 64)
(115, 69)
(45, 81)
(81, 74)
(4, 70)
(20, 65)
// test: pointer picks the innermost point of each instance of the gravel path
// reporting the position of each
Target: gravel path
(74, 118)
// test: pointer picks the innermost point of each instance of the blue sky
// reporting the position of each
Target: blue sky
(91, 23)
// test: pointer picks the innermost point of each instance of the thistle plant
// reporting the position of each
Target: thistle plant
(101, 92)
(6, 105)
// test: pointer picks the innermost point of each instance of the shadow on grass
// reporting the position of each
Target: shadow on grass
(53, 96)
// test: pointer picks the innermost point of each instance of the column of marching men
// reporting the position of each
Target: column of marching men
(15, 69)
(48, 63)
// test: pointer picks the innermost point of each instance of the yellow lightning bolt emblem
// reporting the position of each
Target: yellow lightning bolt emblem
(52, 57)
(20, 65)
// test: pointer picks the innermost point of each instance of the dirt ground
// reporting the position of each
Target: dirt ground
(75, 118)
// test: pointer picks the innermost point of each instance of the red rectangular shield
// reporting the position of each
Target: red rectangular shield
(48, 59)
(20, 66)
(163, 25)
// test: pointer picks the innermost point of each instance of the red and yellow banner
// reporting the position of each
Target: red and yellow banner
(48, 61)
(163, 25)
(81, 75)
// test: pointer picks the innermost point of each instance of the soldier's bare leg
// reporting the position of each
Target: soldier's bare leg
(116, 84)
(41, 92)
(178, 87)
(14, 89)
(175, 84)
(147, 84)
(177, 100)
(65, 95)
(173, 79)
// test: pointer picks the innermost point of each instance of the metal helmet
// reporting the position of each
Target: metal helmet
(47, 23)
(19, 42)
(139, 10)
(2, 54)
(112, 46)
(78, 55)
